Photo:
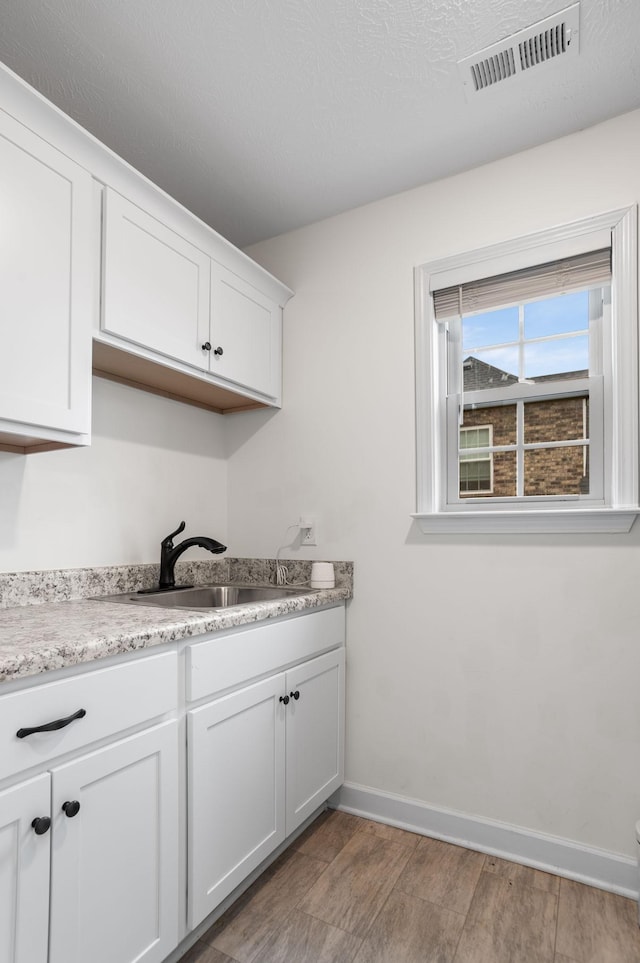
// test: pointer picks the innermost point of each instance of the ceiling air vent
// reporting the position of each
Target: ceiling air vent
(542, 42)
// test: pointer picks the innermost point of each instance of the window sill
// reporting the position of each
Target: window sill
(564, 522)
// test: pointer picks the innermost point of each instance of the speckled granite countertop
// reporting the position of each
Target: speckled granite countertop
(48, 621)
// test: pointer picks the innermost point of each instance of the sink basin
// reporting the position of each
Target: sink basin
(211, 596)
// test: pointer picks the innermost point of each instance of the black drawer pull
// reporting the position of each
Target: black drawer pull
(295, 695)
(71, 808)
(51, 726)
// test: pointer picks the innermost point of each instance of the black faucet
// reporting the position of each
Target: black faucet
(169, 554)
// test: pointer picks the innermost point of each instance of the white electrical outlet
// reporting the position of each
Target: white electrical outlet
(307, 530)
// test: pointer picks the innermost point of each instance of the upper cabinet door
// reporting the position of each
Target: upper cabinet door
(246, 333)
(155, 284)
(46, 285)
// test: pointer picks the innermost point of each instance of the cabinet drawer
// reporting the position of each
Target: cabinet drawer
(113, 699)
(229, 660)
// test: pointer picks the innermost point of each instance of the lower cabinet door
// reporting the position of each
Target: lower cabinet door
(24, 872)
(236, 790)
(315, 735)
(114, 864)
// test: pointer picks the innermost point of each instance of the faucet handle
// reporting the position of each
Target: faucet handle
(168, 541)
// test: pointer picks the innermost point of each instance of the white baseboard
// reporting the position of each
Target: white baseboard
(596, 867)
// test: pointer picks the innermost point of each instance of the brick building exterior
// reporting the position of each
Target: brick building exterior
(548, 471)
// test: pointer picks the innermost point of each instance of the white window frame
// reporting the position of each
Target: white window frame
(616, 510)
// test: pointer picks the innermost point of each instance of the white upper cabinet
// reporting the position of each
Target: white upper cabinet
(245, 333)
(176, 319)
(46, 293)
(155, 289)
(88, 246)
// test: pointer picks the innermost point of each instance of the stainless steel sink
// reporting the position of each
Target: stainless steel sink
(210, 596)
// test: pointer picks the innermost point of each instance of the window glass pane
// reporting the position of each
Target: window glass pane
(558, 419)
(493, 327)
(564, 313)
(568, 357)
(496, 368)
(475, 437)
(476, 473)
(557, 471)
(475, 476)
(501, 418)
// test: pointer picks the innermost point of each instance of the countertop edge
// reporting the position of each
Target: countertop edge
(54, 635)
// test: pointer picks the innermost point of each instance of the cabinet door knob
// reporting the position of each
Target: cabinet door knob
(218, 351)
(284, 699)
(206, 346)
(71, 808)
(295, 695)
(40, 825)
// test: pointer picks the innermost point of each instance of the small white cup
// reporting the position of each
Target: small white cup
(322, 575)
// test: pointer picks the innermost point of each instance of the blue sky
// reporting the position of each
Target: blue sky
(559, 315)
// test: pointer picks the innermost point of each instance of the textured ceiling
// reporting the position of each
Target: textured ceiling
(264, 115)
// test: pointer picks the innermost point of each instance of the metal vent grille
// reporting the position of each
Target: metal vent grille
(542, 46)
(540, 43)
(492, 69)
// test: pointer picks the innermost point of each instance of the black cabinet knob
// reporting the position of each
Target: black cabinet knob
(40, 825)
(218, 351)
(71, 808)
(285, 699)
(295, 695)
(206, 346)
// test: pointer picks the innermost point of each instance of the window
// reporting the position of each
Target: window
(476, 460)
(526, 376)
(532, 370)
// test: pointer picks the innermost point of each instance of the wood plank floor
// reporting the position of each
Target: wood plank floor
(354, 891)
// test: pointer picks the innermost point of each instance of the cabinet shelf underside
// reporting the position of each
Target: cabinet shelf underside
(137, 372)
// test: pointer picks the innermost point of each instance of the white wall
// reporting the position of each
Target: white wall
(152, 463)
(496, 676)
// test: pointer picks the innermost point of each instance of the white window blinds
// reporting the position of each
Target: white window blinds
(543, 280)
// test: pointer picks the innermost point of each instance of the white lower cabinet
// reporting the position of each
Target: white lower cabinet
(98, 832)
(89, 857)
(236, 790)
(261, 760)
(89, 827)
(315, 735)
(24, 871)
(114, 862)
